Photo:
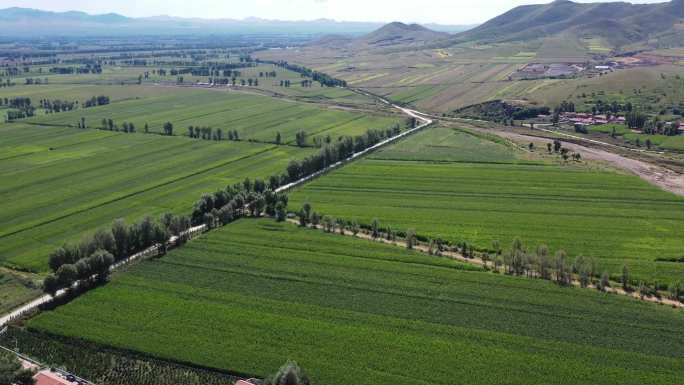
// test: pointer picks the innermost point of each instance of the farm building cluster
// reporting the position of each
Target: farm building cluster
(553, 70)
(589, 119)
(590, 69)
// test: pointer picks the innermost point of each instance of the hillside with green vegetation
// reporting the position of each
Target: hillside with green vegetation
(397, 33)
(257, 292)
(487, 195)
(619, 23)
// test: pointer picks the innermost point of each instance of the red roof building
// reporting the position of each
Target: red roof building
(47, 378)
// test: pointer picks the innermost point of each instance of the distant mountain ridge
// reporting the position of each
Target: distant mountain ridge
(618, 23)
(33, 22)
(28, 14)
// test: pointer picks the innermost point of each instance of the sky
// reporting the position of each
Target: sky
(422, 11)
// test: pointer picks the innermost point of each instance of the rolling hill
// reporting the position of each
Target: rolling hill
(397, 33)
(617, 23)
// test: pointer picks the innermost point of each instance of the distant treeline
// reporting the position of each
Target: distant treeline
(96, 101)
(21, 108)
(226, 70)
(57, 105)
(88, 69)
(320, 77)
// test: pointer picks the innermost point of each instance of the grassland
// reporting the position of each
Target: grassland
(256, 293)
(476, 193)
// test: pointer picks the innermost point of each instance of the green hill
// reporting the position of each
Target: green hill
(402, 34)
(617, 23)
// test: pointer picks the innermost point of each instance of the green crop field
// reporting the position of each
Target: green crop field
(254, 117)
(614, 217)
(118, 80)
(255, 293)
(82, 92)
(443, 144)
(58, 183)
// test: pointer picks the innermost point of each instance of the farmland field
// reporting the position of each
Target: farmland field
(441, 80)
(69, 181)
(651, 88)
(443, 144)
(121, 82)
(254, 117)
(482, 196)
(59, 182)
(256, 293)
